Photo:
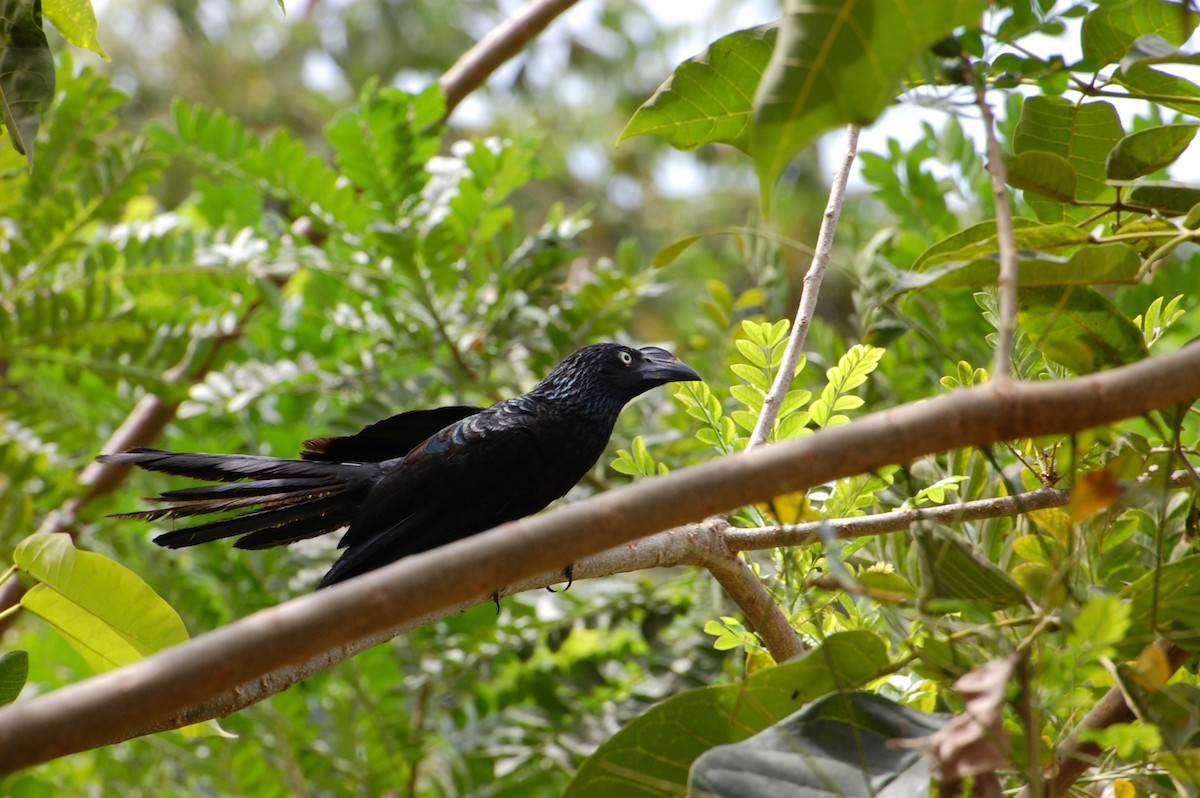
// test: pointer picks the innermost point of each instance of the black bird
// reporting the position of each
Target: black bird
(420, 479)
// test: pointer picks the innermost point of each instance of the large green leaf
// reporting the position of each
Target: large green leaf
(76, 21)
(651, 755)
(1112, 27)
(1168, 599)
(1172, 91)
(841, 63)
(1147, 151)
(1082, 134)
(955, 574)
(107, 613)
(26, 72)
(14, 670)
(709, 98)
(1167, 197)
(981, 239)
(1078, 328)
(1100, 264)
(1042, 173)
(842, 744)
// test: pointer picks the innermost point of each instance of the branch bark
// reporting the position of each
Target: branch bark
(500, 44)
(1007, 281)
(808, 294)
(124, 703)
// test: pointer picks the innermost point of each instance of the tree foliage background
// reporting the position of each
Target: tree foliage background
(260, 220)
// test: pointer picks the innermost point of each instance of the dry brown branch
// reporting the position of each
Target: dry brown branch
(1007, 281)
(126, 702)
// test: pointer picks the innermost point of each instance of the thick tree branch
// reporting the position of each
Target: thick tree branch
(808, 294)
(500, 44)
(120, 704)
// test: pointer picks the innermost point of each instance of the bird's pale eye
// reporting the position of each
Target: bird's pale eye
(625, 357)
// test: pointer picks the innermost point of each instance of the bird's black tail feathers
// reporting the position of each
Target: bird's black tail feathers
(275, 501)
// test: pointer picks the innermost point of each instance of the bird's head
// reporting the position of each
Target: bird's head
(613, 374)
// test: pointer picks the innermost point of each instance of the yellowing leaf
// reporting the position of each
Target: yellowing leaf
(1094, 491)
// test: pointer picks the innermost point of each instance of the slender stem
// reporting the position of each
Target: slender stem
(808, 295)
(1007, 280)
(12, 569)
(13, 610)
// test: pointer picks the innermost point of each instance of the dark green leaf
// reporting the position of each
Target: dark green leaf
(650, 756)
(1168, 599)
(1147, 151)
(1042, 173)
(842, 744)
(1171, 199)
(14, 670)
(709, 98)
(1078, 328)
(955, 573)
(840, 63)
(1083, 134)
(1099, 264)
(26, 72)
(1110, 30)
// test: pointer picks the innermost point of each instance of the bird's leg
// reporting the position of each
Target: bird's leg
(569, 573)
(496, 599)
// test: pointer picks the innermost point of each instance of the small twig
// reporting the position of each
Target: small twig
(1075, 757)
(500, 44)
(1007, 281)
(808, 294)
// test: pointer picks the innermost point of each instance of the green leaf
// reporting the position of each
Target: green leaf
(76, 21)
(1167, 197)
(26, 72)
(1082, 134)
(668, 254)
(1101, 624)
(981, 239)
(842, 744)
(650, 756)
(1110, 29)
(1167, 599)
(1078, 328)
(106, 612)
(1043, 173)
(709, 98)
(954, 573)
(1147, 151)
(1171, 91)
(14, 670)
(950, 247)
(1112, 263)
(837, 64)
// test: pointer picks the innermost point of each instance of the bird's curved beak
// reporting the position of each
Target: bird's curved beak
(660, 366)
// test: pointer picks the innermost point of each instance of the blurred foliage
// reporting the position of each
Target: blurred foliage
(246, 216)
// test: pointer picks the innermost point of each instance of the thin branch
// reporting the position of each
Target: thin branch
(747, 591)
(1007, 280)
(123, 703)
(1074, 757)
(500, 44)
(808, 294)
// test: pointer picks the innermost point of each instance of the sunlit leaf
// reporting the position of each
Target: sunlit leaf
(1078, 328)
(1147, 151)
(709, 98)
(838, 64)
(26, 72)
